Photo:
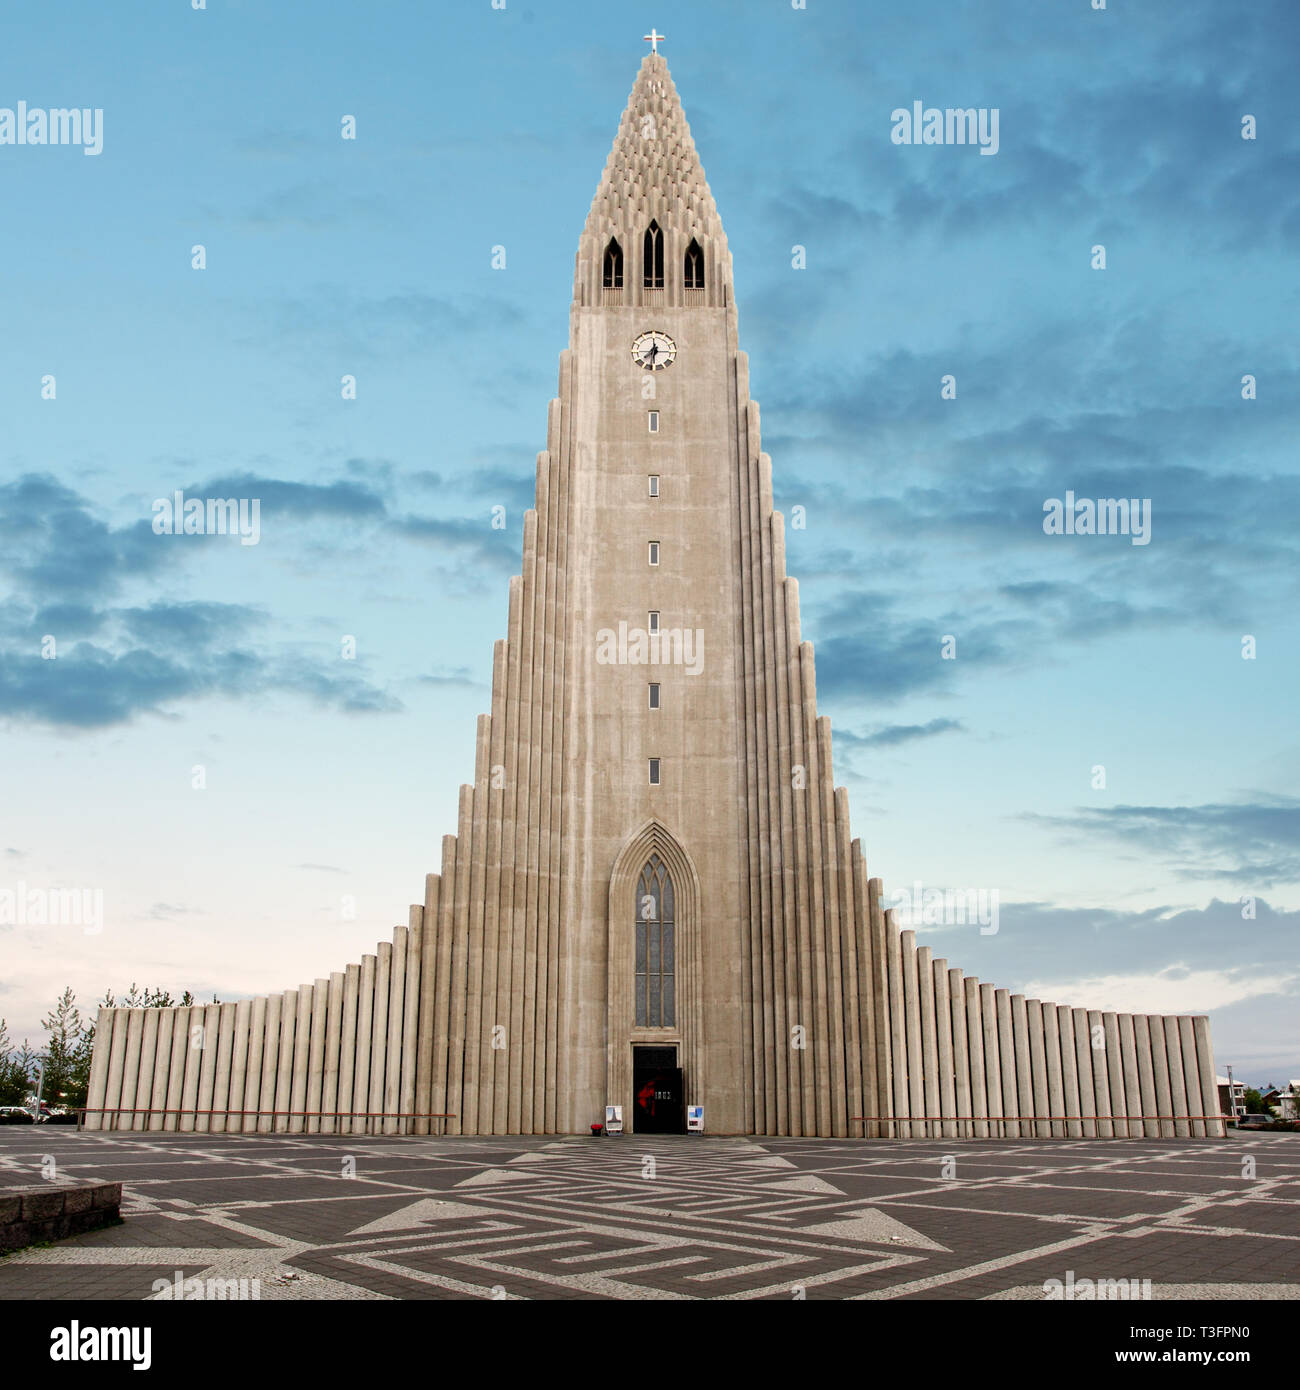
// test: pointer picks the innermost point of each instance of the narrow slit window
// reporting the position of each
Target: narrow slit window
(613, 278)
(653, 258)
(654, 484)
(654, 552)
(654, 422)
(694, 267)
(654, 694)
(652, 622)
(654, 772)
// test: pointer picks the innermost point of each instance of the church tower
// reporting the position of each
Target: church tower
(653, 899)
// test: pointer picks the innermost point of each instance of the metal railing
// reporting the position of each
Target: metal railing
(1001, 1121)
(117, 1111)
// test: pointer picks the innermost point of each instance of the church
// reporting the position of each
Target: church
(653, 899)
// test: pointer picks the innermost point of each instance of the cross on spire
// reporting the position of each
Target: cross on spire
(654, 39)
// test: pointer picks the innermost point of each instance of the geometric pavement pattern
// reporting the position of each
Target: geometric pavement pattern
(667, 1217)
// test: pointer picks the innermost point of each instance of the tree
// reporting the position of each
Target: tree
(13, 1078)
(17, 1071)
(66, 1056)
(1254, 1102)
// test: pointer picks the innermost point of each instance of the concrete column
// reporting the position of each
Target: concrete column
(396, 1018)
(253, 1070)
(329, 1095)
(460, 966)
(1024, 1077)
(298, 1065)
(144, 1089)
(1160, 1069)
(878, 960)
(842, 943)
(221, 1078)
(1055, 1070)
(507, 1107)
(1115, 1073)
(961, 1069)
(131, 1068)
(195, 1055)
(474, 939)
(929, 1040)
(379, 1034)
(348, 1048)
(365, 1046)
(915, 1060)
(1132, 1091)
(1146, 1075)
(284, 1065)
(975, 1050)
(162, 1060)
(116, 1066)
(1177, 1083)
(1100, 1075)
(208, 1067)
(897, 1030)
(1209, 1083)
(270, 1063)
(462, 1101)
(180, 1052)
(992, 1061)
(494, 1076)
(320, 994)
(943, 1047)
(1083, 1062)
(235, 1101)
(428, 1002)
(1191, 1075)
(460, 957)
(1007, 1058)
(803, 1117)
(1040, 1104)
(1069, 1071)
(99, 1068)
(411, 1024)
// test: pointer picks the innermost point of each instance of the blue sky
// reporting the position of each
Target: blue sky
(329, 780)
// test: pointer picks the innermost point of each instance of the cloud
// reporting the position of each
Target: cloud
(1254, 844)
(1174, 990)
(890, 735)
(114, 661)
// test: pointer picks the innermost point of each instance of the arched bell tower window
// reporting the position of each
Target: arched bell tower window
(653, 258)
(694, 266)
(613, 265)
(656, 967)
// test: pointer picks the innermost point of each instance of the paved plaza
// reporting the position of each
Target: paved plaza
(692, 1217)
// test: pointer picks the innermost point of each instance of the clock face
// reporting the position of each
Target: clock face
(654, 351)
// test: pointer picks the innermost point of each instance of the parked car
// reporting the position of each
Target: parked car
(15, 1115)
(1253, 1121)
(58, 1117)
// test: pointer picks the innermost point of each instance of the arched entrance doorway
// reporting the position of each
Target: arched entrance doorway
(654, 1043)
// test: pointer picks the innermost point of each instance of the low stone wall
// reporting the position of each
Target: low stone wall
(50, 1212)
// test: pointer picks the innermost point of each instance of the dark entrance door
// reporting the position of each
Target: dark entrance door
(657, 1104)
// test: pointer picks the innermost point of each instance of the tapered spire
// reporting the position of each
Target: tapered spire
(653, 173)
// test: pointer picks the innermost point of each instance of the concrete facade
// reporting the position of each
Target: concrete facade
(509, 1001)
